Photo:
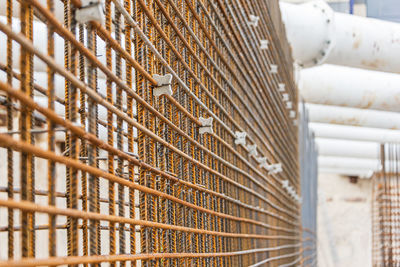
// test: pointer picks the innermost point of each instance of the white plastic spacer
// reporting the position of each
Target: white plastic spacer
(240, 138)
(206, 125)
(252, 150)
(274, 68)
(163, 86)
(253, 20)
(278, 167)
(262, 161)
(285, 184)
(291, 191)
(281, 87)
(91, 10)
(264, 44)
(285, 97)
(289, 105)
(292, 114)
(274, 168)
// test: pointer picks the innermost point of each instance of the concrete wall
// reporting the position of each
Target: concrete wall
(344, 222)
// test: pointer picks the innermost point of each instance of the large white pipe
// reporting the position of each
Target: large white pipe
(308, 31)
(347, 148)
(348, 163)
(335, 131)
(350, 87)
(353, 116)
(362, 173)
(319, 35)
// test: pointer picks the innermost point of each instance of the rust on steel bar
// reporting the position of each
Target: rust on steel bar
(386, 208)
(143, 165)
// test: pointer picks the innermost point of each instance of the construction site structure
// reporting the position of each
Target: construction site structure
(152, 133)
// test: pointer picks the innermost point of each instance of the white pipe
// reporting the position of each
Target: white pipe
(309, 30)
(347, 148)
(362, 173)
(325, 130)
(350, 87)
(348, 163)
(353, 116)
(319, 35)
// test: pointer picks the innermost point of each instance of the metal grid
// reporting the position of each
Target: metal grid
(97, 169)
(309, 189)
(385, 209)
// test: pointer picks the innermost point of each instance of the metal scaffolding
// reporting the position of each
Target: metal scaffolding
(148, 133)
(386, 208)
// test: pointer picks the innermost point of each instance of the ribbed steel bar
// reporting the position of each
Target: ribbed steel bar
(148, 182)
(385, 208)
(309, 183)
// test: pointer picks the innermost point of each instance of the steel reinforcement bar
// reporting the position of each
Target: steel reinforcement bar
(147, 133)
(386, 208)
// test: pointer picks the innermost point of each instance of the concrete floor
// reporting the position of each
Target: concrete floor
(344, 222)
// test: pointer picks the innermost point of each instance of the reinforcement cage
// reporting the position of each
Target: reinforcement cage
(147, 132)
(386, 208)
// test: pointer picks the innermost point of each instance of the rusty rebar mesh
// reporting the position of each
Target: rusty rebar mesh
(386, 209)
(96, 169)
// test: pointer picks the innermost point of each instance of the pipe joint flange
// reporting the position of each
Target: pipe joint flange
(329, 39)
(91, 10)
